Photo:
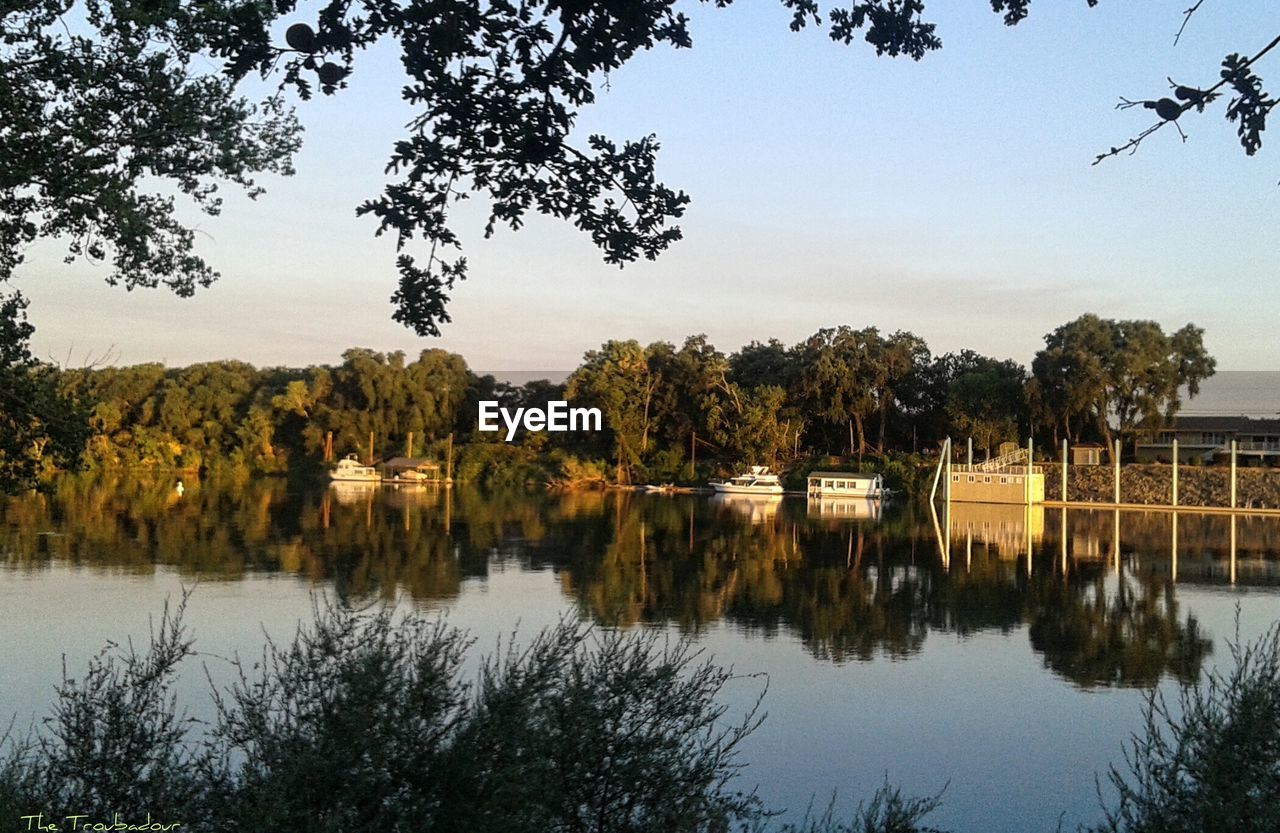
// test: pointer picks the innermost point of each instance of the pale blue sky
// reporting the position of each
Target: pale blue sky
(951, 197)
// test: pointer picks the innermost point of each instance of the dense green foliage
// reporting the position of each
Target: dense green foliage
(230, 413)
(40, 427)
(855, 398)
(1095, 373)
(102, 102)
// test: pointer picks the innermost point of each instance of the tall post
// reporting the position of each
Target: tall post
(448, 470)
(948, 476)
(937, 475)
(1115, 457)
(1175, 471)
(1064, 470)
(328, 446)
(371, 448)
(1233, 474)
(1026, 481)
(693, 455)
(968, 459)
(408, 446)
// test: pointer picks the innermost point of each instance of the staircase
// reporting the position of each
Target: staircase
(1004, 461)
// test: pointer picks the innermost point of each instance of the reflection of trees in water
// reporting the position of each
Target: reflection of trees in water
(843, 614)
(1131, 636)
(846, 589)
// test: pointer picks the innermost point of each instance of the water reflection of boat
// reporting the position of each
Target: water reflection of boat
(353, 491)
(756, 508)
(757, 481)
(866, 507)
(350, 469)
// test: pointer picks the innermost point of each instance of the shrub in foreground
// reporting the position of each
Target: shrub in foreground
(367, 721)
(1210, 760)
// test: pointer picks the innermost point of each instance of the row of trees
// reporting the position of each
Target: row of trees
(840, 391)
(229, 412)
(851, 391)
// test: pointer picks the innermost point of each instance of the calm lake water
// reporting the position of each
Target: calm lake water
(1010, 680)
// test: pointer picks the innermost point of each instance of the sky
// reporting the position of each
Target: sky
(952, 197)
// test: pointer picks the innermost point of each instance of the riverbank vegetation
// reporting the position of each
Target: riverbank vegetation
(671, 414)
(369, 721)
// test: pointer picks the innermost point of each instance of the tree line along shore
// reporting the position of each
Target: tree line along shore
(678, 414)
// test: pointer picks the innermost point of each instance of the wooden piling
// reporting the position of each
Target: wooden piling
(448, 470)
(1026, 481)
(1233, 474)
(948, 476)
(1175, 471)
(1065, 498)
(1115, 458)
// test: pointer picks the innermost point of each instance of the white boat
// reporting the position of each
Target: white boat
(829, 484)
(351, 469)
(758, 481)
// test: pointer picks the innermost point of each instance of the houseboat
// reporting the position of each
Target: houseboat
(351, 469)
(757, 481)
(843, 484)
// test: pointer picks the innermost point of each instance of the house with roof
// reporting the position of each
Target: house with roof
(1206, 439)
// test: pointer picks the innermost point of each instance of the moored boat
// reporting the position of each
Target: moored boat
(757, 481)
(843, 484)
(351, 469)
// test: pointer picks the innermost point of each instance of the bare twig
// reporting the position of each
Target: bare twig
(1186, 18)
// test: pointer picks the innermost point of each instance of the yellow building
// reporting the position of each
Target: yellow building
(1007, 484)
